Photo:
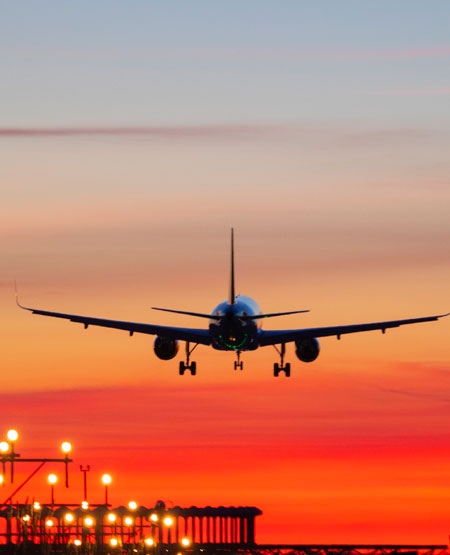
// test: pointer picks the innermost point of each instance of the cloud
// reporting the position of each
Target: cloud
(427, 91)
(217, 131)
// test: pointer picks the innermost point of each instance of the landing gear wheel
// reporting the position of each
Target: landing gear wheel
(239, 365)
(287, 369)
(182, 368)
(276, 370)
(193, 368)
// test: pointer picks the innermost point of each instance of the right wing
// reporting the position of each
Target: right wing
(192, 335)
(273, 337)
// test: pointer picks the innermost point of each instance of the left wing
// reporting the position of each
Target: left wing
(192, 335)
(274, 337)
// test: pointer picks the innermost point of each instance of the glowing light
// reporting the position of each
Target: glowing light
(149, 541)
(52, 479)
(168, 521)
(4, 446)
(114, 542)
(66, 447)
(154, 517)
(128, 521)
(132, 505)
(1, 479)
(106, 479)
(36, 506)
(49, 522)
(111, 517)
(85, 505)
(26, 518)
(88, 521)
(186, 542)
(12, 435)
(68, 517)
(77, 542)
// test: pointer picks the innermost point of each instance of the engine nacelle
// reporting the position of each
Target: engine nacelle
(307, 350)
(165, 348)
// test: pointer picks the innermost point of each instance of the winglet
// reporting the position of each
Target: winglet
(17, 297)
(231, 294)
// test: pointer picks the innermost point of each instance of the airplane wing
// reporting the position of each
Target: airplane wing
(274, 337)
(192, 335)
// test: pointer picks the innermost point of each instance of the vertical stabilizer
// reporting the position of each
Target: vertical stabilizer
(232, 295)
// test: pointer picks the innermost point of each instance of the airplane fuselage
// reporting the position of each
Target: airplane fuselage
(232, 332)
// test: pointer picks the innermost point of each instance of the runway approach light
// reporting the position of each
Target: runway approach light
(85, 505)
(77, 542)
(12, 435)
(66, 447)
(128, 521)
(168, 521)
(68, 517)
(88, 522)
(114, 542)
(149, 541)
(1, 479)
(186, 542)
(49, 523)
(26, 518)
(4, 446)
(111, 517)
(132, 505)
(154, 517)
(36, 506)
(106, 479)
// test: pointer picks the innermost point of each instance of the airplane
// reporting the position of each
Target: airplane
(234, 325)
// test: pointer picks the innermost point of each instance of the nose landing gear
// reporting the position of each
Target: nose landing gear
(238, 363)
(191, 366)
(277, 368)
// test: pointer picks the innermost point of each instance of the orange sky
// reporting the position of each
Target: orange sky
(353, 448)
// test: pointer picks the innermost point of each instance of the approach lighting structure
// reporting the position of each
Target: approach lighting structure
(168, 521)
(12, 435)
(128, 521)
(185, 542)
(88, 522)
(4, 446)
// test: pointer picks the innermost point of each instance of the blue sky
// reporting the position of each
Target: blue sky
(202, 62)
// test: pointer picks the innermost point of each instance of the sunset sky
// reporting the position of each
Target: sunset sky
(133, 136)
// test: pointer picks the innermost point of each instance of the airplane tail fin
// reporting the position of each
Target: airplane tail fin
(232, 294)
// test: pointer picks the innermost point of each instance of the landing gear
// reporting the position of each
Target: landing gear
(238, 363)
(277, 368)
(191, 366)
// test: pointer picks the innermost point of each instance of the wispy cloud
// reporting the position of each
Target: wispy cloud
(426, 91)
(200, 131)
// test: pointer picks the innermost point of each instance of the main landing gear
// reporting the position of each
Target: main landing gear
(277, 368)
(238, 363)
(191, 366)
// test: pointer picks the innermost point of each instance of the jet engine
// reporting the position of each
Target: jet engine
(307, 350)
(165, 348)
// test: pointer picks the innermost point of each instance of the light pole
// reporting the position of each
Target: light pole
(66, 448)
(85, 470)
(52, 479)
(13, 436)
(106, 479)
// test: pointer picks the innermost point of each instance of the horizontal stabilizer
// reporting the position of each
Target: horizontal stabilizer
(257, 316)
(209, 316)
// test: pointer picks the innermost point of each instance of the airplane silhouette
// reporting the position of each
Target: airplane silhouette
(234, 325)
